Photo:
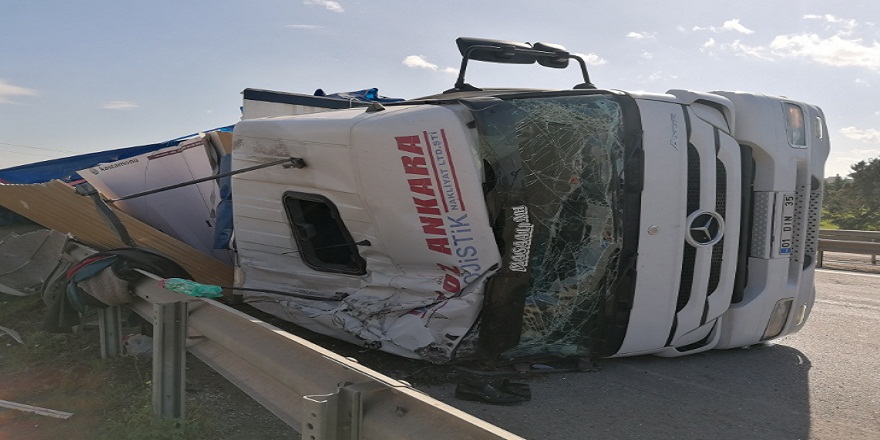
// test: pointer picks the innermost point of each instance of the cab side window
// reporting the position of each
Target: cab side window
(324, 242)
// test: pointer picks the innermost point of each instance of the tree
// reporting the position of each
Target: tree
(855, 203)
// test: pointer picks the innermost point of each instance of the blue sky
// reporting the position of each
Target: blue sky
(84, 76)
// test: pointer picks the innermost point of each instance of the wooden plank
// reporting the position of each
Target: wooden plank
(55, 205)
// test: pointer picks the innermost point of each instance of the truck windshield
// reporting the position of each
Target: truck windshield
(553, 167)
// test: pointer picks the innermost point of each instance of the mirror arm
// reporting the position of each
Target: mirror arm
(459, 83)
(587, 84)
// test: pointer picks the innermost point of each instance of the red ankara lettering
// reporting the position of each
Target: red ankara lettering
(427, 206)
(410, 144)
(431, 217)
(421, 186)
(440, 245)
(451, 282)
(432, 225)
(415, 165)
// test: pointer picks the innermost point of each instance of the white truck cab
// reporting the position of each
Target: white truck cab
(514, 223)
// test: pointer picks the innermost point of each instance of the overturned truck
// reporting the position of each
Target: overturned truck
(509, 223)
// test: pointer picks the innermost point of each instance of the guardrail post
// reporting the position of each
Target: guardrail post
(110, 328)
(320, 417)
(874, 256)
(337, 416)
(169, 359)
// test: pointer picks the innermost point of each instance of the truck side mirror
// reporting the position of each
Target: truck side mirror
(558, 58)
(494, 51)
(511, 52)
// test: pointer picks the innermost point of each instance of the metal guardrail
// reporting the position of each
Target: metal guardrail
(319, 393)
(848, 241)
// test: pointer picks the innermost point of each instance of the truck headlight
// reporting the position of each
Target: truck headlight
(778, 318)
(795, 125)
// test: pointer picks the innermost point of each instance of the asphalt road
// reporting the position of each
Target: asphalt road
(821, 383)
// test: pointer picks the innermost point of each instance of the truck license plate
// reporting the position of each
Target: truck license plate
(786, 224)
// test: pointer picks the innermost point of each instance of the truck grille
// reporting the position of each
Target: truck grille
(693, 304)
(690, 253)
(693, 204)
(720, 208)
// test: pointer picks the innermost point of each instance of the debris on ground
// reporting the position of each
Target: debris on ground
(499, 392)
(35, 409)
(12, 333)
(138, 345)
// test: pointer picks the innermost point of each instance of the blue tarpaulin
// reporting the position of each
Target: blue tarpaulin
(65, 169)
(365, 95)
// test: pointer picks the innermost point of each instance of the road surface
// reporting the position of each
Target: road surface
(821, 383)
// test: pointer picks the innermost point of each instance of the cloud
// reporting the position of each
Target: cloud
(8, 90)
(840, 163)
(661, 76)
(655, 77)
(119, 105)
(741, 49)
(866, 152)
(328, 4)
(729, 25)
(846, 25)
(831, 19)
(869, 135)
(734, 25)
(418, 62)
(593, 59)
(833, 51)
(641, 35)
(862, 82)
(308, 27)
(709, 46)
(837, 47)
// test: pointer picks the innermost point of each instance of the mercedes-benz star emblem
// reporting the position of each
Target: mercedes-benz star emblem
(706, 228)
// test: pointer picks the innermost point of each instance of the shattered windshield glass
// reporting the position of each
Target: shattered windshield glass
(553, 168)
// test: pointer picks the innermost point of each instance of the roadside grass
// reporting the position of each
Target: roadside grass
(109, 399)
(826, 224)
